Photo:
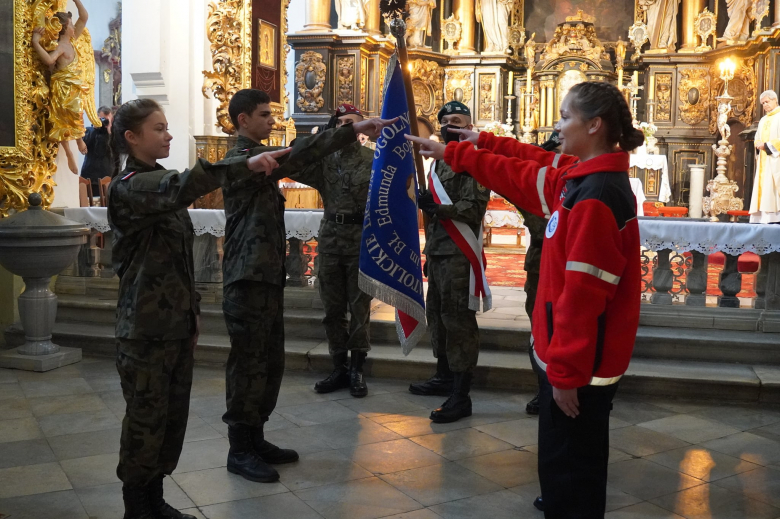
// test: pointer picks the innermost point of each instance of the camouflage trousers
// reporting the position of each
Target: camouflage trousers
(454, 329)
(339, 292)
(156, 379)
(254, 315)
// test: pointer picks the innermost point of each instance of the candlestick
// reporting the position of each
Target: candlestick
(511, 82)
(651, 92)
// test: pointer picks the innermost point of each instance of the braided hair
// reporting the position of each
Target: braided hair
(599, 99)
(130, 116)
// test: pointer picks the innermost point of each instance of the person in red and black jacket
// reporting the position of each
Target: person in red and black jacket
(584, 325)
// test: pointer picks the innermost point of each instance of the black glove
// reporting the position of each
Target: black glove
(426, 204)
(551, 143)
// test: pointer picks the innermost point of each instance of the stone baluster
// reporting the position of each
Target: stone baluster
(295, 264)
(663, 279)
(730, 283)
(696, 281)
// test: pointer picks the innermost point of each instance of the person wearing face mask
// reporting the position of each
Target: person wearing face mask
(342, 180)
(450, 307)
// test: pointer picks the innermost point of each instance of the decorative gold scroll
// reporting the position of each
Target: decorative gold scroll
(694, 94)
(27, 167)
(310, 66)
(229, 29)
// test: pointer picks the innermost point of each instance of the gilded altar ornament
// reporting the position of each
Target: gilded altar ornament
(694, 95)
(65, 49)
(427, 87)
(576, 37)
(721, 189)
(704, 27)
(229, 31)
(638, 36)
(759, 9)
(459, 86)
(310, 81)
(346, 79)
(451, 31)
(516, 40)
(663, 92)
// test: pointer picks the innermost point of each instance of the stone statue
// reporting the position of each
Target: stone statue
(71, 61)
(418, 25)
(738, 28)
(662, 24)
(620, 53)
(723, 120)
(530, 52)
(351, 13)
(494, 17)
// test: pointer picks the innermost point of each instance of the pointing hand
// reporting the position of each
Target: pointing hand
(266, 162)
(372, 127)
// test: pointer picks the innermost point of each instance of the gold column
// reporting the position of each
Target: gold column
(777, 15)
(464, 10)
(690, 10)
(317, 16)
(550, 104)
(372, 12)
(542, 106)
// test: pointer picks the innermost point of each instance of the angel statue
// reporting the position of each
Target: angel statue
(723, 120)
(351, 14)
(71, 61)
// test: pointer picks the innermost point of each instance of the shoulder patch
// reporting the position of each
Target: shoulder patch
(129, 175)
(552, 226)
(481, 188)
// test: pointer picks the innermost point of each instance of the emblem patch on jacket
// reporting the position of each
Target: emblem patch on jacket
(552, 226)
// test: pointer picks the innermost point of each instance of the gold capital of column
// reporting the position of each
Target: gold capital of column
(464, 11)
(317, 17)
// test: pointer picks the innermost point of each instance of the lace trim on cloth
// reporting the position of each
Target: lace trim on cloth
(709, 237)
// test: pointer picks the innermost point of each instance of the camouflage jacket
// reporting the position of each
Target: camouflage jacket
(152, 250)
(255, 237)
(342, 179)
(469, 203)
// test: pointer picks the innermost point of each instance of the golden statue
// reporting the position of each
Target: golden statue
(66, 49)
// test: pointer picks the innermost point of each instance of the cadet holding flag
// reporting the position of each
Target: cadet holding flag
(342, 180)
(456, 274)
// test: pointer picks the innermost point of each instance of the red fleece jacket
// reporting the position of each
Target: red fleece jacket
(587, 304)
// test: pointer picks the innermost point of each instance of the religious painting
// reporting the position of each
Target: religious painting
(266, 44)
(611, 19)
(7, 111)
(567, 80)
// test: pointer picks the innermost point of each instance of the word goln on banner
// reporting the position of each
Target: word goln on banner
(390, 267)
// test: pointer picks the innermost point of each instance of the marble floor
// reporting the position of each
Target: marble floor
(377, 457)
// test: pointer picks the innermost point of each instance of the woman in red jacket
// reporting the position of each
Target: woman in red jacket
(587, 311)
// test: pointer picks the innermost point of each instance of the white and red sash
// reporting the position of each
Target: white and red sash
(470, 245)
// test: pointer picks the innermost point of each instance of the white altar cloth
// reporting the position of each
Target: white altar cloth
(497, 218)
(683, 235)
(654, 162)
(303, 224)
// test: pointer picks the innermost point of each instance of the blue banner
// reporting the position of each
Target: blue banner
(390, 265)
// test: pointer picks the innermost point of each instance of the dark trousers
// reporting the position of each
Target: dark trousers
(339, 292)
(254, 315)
(573, 453)
(156, 379)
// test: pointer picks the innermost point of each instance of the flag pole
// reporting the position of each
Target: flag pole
(398, 29)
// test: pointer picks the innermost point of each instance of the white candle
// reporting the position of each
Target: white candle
(511, 82)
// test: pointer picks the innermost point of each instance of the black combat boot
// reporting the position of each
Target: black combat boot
(338, 379)
(269, 452)
(243, 460)
(532, 407)
(136, 503)
(357, 383)
(458, 405)
(438, 385)
(161, 509)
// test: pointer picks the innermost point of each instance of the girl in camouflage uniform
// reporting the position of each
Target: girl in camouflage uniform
(157, 309)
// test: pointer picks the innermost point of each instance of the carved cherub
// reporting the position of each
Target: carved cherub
(723, 120)
(72, 66)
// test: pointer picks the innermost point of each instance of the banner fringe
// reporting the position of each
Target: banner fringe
(391, 297)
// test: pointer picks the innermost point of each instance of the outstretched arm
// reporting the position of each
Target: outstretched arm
(48, 58)
(82, 21)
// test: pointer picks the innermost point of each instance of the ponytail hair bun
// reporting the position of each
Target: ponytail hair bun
(599, 99)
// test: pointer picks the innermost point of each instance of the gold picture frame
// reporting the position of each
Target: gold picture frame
(28, 165)
(266, 44)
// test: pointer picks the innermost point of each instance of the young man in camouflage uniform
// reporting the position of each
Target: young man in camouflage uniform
(453, 326)
(254, 279)
(342, 179)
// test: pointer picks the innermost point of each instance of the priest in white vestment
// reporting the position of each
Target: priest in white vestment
(765, 202)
